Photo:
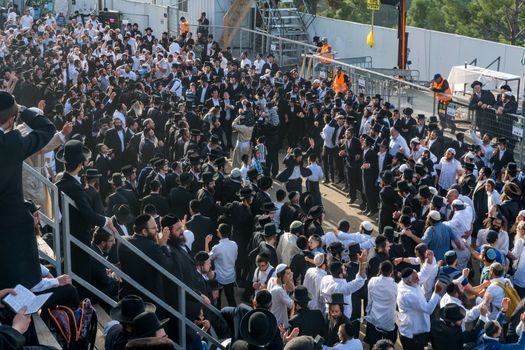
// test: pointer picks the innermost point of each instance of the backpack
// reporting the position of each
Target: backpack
(74, 329)
(512, 294)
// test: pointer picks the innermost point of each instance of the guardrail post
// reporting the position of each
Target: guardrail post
(434, 104)
(240, 43)
(182, 310)
(56, 234)
(399, 94)
(67, 240)
(280, 52)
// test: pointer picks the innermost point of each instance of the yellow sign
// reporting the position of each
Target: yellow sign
(372, 5)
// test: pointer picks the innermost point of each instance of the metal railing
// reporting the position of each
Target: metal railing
(183, 290)
(53, 223)
(454, 116)
(257, 41)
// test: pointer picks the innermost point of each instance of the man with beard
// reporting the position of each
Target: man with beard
(102, 243)
(205, 196)
(115, 139)
(154, 245)
(294, 170)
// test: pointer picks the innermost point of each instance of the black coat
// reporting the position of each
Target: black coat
(17, 234)
(201, 226)
(331, 327)
(446, 337)
(117, 198)
(141, 271)
(229, 191)
(208, 206)
(99, 276)
(309, 322)
(499, 164)
(179, 201)
(160, 202)
(389, 203)
(95, 200)
(11, 339)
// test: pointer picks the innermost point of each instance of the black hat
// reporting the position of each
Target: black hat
(73, 152)
(512, 168)
(208, 177)
(6, 100)
(400, 156)
(201, 257)
(337, 298)
(469, 166)
(377, 127)
(369, 140)
(297, 152)
(476, 82)
(91, 174)
(402, 186)
(353, 249)
(245, 192)
(387, 177)
(195, 132)
(424, 192)
(117, 179)
(420, 116)
(129, 307)
(159, 162)
(214, 140)
(420, 169)
(268, 207)
(263, 298)
(438, 201)
(452, 312)
(270, 230)
(377, 96)
(33, 208)
(258, 327)
(265, 183)
(169, 220)
(385, 143)
(301, 295)
(408, 173)
(316, 211)
(408, 111)
(185, 179)
(505, 87)
(146, 324)
(194, 159)
(123, 213)
(221, 161)
(502, 140)
(148, 28)
(252, 173)
(127, 170)
(433, 119)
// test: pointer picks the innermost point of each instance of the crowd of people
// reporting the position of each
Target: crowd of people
(174, 144)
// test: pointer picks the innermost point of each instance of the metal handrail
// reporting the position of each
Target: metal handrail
(53, 223)
(66, 202)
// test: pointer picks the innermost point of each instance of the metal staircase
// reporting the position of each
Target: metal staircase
(234, 18)
(284, 21)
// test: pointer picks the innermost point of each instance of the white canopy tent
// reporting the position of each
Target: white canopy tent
(461, 77)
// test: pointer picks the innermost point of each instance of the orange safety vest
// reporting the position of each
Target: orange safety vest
(442, 97)
(339, 84)
(326, 52)
(184, 26)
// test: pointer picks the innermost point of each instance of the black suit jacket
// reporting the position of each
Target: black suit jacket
(309, 322)
(201, 226)
(99, 277)
(505, 159)
(486, 97)
(95, 200)
(116, 198)
(370, 175)
(353, 149)
(160, 202)
(141, 271)
(113, 141)
(179, 201)
(208, 206)
(17, 235)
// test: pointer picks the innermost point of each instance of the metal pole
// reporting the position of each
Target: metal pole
(56, 234)
(182, 308)
(434, 104)
(67, 242)
(399, 94)
(240, 43)
(177, 15)
(280, 52)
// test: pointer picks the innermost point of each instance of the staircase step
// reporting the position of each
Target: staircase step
(44, 335)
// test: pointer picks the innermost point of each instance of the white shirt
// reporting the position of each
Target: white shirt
(503, 241)
(258, 65)
(330, 285)
(277, 218)
(317, 172)
(174, 48)
(326, 134)
(224, 254)
(287, 248)
(246, 62)
(352, 344)
(120, 115)
(381, 308)
(519, 264)
(262, 276)
(312, 282)
(396, 144)
(281, 302)
(449, 171)
(427, 275)
(414, 310)
(498, 294)
(26, 21)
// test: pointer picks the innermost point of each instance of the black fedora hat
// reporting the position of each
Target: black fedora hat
(476, 82)
(297, 152)
(91, 174)
(245, 192)
(337, 298)
(146, 324)
(452, 312)
(258, 327)
(185, 179)
(127, 170)
(123, 213)
(265, 182)
(129, 307)
(194, 159)
(268, 207)
(270, 230)
(220, 162)
(301, 295)
(316, 211)
(73, 152)
(252, 173)
(438, 201)
(117, 179)
(403, 186)
(424, 192)
(208, 177)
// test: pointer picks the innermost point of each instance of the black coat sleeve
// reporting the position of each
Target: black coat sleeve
(10, 339)
(84, 208)
(43, 132)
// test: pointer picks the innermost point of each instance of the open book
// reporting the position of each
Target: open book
(24, 297)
